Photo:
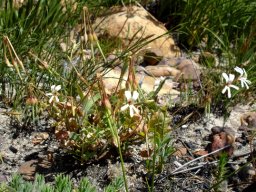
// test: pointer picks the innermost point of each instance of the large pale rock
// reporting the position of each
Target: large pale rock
(134, 23)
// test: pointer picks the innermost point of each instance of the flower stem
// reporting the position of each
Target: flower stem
(114, 133)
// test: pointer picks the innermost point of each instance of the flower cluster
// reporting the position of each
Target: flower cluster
(230, 79)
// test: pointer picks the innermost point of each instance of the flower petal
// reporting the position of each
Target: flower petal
(49, 94)
(225, 76)
(242, 83)
(131, 111)
(231, 77)
(136, 110)
(239, 70)
(229, 93)
(57, 99)
(248, 81)
(51, 99)
(245, 74)
(224, 90)
(123, 108)
(246, 85)
(128, 95)
(57, 88)
(234, 86)
(135, 95)
(53, 88)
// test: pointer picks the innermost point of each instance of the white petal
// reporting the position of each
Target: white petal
(231, 77)
(123, 108)
(51, 99)
(229, 93)
(225, 77)
(248, 81)
(135, 95)
(245, 74)
(137, 111)
(53, 88)
(234, 86)
(239, 70)
(57, 99)
(128, 95)
(244, 84)
(224, 90)
(49, 94)
(131, 111)
(57, 88)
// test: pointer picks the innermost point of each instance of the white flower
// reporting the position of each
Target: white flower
(243, 77)
(54, 93)
(131, 98)
(157, 82)
(89, 135)
(229, 80)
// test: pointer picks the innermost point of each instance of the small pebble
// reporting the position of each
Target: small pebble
(13, 149)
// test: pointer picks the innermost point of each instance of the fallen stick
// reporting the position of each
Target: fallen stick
(192, 168)
(203, 156)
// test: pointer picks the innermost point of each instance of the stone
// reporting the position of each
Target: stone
(152, 56)
(172, 62)
(40, 137)
(189, 69)
(248, 121)
(3, 179)
(145, 152)
(162, 71)
(28, 169)
(13, 149)
(132, 24)
(113, 59)
(221, 137)
(111, 79)
(180, 152)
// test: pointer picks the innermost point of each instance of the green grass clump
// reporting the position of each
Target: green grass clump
(61, 184)
(195, 20)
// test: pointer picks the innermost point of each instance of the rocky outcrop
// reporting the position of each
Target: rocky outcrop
(132, 24)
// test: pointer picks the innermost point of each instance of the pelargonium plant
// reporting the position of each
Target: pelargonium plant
(231, 79)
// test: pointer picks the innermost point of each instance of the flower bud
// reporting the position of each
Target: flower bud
(95, 38)
(85, 9)
(31, 101)
(90, 37)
